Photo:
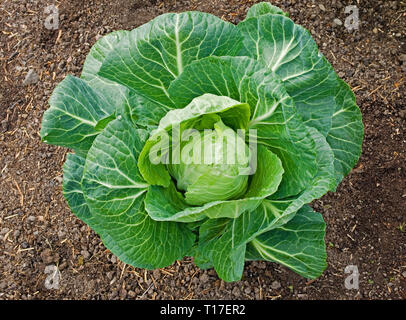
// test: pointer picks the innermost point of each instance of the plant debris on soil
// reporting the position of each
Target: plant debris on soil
(366, 217)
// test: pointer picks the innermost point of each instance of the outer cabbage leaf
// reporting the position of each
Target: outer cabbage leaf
(98, 54)
(262, 8)
(144, 111)
(156, 53)
(117, 95)
(299, 244)
(75, 111)
(222, 246)
(347, 131)
(111, 182)
(115, 192)
(290, 51)
(323, 182)
(72, 190)
(324, 101)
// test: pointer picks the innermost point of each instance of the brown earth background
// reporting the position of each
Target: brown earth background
(366, 217)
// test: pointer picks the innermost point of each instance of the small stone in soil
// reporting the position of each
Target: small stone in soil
(156, 274)
(236, 292)
(85, 254)
(31, 78)
(204, 278)
(4, 126)
(46, 256)
(275, 285)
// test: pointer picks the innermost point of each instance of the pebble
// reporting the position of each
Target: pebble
(61, 65)
(63, 265)
(338, 22)
(4, 125)
(85, 254)
(123, 293)
(156, 274)
(275, 285)
(322, 7)
(3, 285)
(46, 256)
(31, 78)
(204, 278)
(236, 292)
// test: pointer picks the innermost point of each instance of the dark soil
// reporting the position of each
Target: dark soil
(366, 217)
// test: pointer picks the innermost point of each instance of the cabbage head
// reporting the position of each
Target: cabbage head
(196, 137)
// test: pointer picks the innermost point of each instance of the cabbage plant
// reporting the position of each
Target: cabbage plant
(157, 111)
